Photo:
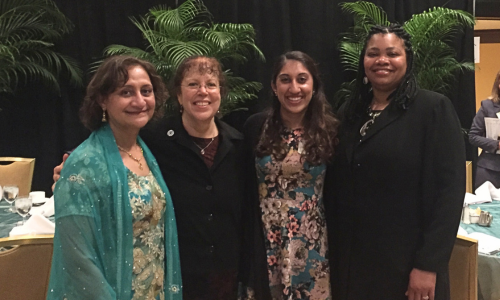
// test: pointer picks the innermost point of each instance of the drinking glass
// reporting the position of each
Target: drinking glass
(10, 193)
(23, 206)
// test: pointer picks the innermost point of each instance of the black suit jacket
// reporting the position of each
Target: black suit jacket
(207, 201)
(394, 198)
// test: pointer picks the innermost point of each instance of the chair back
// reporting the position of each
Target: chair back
(468, 177)
(18, 171)
(463, 269)
(25, 268)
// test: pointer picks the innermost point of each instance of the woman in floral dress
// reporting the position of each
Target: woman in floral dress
(291, 144)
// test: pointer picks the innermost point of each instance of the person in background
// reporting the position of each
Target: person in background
(288, 148)
(488, 163)
(395, 192)
(116, 235)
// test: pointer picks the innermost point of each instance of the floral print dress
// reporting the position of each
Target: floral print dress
(148, 209)
(293, 216)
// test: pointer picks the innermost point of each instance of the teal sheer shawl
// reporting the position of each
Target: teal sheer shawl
(93, 247)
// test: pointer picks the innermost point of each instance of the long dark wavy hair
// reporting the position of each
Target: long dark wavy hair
(407, 88)
(320, 124)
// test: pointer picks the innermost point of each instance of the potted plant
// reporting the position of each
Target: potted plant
(174, 34)
(28, 30)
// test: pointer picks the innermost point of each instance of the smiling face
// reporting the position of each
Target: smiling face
(199, 95)
(385, 61)
(132, 105)
(294, 88)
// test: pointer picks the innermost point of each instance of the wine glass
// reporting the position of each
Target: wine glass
(10, 193)
(23, 206)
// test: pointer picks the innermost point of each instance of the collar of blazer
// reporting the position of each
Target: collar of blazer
(175, 131)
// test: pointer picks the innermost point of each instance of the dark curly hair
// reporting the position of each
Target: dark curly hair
(406, 90)
(320, 124)
(112, 74)
(204, 65)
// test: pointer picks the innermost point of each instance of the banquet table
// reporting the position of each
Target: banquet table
(488, 265)
(8, 220)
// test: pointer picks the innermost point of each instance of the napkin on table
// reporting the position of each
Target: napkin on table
(47, 209)
(37, 224)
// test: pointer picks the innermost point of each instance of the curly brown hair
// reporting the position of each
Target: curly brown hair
(320, 124)
(112, 74)
(204, 64)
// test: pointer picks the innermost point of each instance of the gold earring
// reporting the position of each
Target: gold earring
(104, 116)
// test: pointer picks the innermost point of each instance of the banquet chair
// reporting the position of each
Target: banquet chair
(25, 267)
(468, 177)
(463, 269)
(18, 171)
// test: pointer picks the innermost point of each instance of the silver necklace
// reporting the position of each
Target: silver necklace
(202, 150)
(373, 115)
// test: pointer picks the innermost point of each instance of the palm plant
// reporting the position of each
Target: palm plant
(431, 33)
(28, 30)
(174, 34)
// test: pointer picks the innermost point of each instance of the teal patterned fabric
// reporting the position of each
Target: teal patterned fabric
(93, 241)
(148, 209)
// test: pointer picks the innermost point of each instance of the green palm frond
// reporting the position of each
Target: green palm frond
(349, 52)
(171, 35)
(365, 14)
(345, 92)
(239, 94)
(28, 30)
(431, 33)
(438, 23)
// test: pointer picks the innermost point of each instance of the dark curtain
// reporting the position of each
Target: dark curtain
(42, 124)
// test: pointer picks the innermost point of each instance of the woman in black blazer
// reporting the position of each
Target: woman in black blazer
(200, 158)
(395, 191)
(488, 164)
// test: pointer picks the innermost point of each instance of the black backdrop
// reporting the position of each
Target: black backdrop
(38, 123)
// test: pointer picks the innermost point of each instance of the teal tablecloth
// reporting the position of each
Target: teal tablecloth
(7, 220)
(488, 265)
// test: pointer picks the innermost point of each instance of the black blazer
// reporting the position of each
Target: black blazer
(477, 136)
(207, 201)
(394, 198)
(254, 258)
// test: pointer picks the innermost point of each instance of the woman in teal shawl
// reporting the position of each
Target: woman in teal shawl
(116, 236)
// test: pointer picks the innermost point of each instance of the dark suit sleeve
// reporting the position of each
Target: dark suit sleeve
(443, 187)
(477, 133)
(254, 259)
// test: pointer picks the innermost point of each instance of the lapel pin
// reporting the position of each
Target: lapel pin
(170, 132)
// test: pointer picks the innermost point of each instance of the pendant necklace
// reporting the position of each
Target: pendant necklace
(202, 150)
(138, 160)
(373, 114)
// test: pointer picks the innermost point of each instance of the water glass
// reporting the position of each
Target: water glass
(23, 206)
(10, 193)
